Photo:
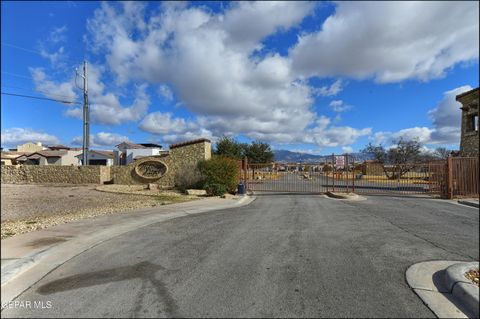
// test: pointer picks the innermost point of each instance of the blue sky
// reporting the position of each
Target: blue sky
(316, 77)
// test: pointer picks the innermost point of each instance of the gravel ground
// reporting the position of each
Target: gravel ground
(26, 208)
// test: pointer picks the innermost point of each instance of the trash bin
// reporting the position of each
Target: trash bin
(241, 189)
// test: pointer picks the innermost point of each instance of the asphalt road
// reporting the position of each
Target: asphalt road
(281, 256)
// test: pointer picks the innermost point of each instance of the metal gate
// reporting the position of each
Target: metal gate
(278, 177)
(340, 173)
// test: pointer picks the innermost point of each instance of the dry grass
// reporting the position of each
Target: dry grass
(26, 208)
(473, 275)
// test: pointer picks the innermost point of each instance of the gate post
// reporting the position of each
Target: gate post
(245, 170)
(449, 176)
(345, 169)
(333, 172)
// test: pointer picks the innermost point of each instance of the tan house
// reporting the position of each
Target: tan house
(30, 147)
(469, 141)
(49, 157)
(10, 158)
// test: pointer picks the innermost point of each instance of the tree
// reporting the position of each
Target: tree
(402, 156)
(441, 153)
(259, 152)
(229, 147)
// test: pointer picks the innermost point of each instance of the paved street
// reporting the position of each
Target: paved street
(281, 256)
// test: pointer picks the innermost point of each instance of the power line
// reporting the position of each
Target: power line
(21, 48)
(40, 98)
(39, 91)
(18, 75)
(43, 55)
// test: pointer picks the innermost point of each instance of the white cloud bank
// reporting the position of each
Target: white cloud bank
(390, 41)
(17, 136)
(446, 119)
(102, 139)
(208, 58)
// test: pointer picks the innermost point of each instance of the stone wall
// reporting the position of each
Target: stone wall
(186, 155)
(35, 174)
(469, 142)
(126, 175)
(183, 156)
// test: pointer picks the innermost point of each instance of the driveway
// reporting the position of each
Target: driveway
(281, 256)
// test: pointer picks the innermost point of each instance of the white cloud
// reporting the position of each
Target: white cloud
(446, 118)
(51, 89)
(339, 106)
(347, 149)
(16, 136)
(229, 91)
(58, 34)
(392, 41)
(105, 107)
(331, 90)
(102, 139)
(165, 92)
(164, 123)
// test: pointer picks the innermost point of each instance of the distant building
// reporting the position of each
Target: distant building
(127, 152)
(98, 158)
(49, 157)
(10, 158)
(469, 141)
(30, 147)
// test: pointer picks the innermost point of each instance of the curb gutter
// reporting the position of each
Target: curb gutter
(441, 285)
(20, 275)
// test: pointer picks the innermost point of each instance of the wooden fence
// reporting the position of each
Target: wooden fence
(463, 177)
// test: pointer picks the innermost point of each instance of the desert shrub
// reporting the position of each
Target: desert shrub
(219, 171)
(188, 177)
(215, 189)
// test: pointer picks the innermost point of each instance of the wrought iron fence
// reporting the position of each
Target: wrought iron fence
(341, 173)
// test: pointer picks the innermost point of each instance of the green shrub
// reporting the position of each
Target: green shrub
(220, 171)
(215, 189)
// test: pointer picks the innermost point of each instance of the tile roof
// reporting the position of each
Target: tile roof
(59, 146)
(131, 145)
(47, 154)
(13, 155)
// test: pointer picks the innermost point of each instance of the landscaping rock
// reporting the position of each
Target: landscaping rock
(197, 192)
(153, 187)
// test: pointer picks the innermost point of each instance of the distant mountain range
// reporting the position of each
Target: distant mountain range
(285, 156)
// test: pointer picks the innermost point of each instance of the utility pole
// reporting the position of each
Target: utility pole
(86, 116)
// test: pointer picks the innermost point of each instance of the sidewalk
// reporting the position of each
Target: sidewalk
(27, 258)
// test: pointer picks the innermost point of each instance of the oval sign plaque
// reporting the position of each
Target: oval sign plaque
(150, 169)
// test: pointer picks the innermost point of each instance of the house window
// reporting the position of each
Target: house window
(472, 123)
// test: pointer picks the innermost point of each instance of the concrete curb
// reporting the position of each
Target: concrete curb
(462, 288)
(469, 203)
(347, 196)
(429, 280)
(20, 275)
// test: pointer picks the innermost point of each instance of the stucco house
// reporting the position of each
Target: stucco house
(469, 141)
(9, 158)
(30, 147)
(127, 152)
(49, 157)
